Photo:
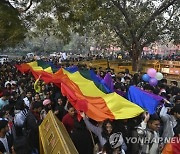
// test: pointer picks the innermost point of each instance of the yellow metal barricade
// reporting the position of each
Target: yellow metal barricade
(54, 139)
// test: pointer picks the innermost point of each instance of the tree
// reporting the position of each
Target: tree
(130, 24)
(134, 23)
(15, 20)
(12, 30)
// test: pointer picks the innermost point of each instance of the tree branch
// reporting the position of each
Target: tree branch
(123, 11)
(124, 4)
(121, 36)
(7, 2)
(162, 8)
(127, 20)
(168, 20)
(161, 29)
(27, 8)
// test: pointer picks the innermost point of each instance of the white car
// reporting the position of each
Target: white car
(3, 58)
(30, 55)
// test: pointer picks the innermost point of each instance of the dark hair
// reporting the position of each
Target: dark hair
(103, 74)
(177, 130)
(175, 109)
(104, 130)
(127, 78)
(164, 81)
(2, 113)
(174, 90)
(162, 86)
(21, 146)
(107, 148)
(127, 71)
(175, 83)
(37, 105)
(3, 124)
(6, 107)
(79, 125)
(20, 105)
(154, 117)
(14, 93)
(177, 98)
(165, 95)
(69, 106)
(148, 87)
(29, 89)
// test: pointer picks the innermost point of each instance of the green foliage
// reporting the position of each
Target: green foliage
(131, 24)
(12, 29)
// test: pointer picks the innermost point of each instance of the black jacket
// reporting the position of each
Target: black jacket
(82, 141)
(10, 144)
(32, 130)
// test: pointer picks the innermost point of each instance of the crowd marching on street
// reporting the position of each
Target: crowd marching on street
(23, 107)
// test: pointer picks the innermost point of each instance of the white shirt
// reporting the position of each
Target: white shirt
(5, 143)
(26, 101)
(154, 148)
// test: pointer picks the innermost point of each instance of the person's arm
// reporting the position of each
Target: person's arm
(56, 112)
(36, 86)
(141, 129)
(163, 114)
(65, 107)
(96, 130)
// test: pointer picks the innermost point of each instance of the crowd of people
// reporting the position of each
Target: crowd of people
(23, 107)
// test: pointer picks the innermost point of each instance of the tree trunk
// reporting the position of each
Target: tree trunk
(136, 61)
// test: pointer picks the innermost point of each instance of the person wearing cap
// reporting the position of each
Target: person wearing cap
(47, 107)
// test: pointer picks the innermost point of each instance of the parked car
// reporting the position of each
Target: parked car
(4, 58)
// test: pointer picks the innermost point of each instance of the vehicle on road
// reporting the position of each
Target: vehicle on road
(3, 59)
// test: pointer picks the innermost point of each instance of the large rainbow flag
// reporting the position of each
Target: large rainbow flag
(37, 66)
(99, 106)
(84, 95)
(90, 75)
